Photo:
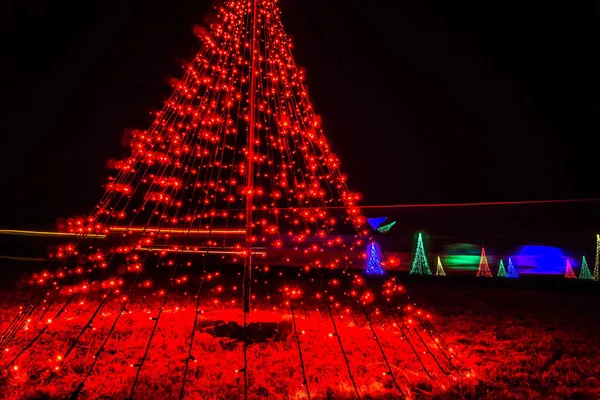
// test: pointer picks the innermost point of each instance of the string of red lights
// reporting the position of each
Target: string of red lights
(234, 168)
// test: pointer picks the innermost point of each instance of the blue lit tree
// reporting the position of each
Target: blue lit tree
(512, 271)
(374, 260)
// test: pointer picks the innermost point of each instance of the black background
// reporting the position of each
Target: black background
(424, 102)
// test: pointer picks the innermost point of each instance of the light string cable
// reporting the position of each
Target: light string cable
(162, 170)
(290, 108)
(334, 171)
(108, 197)
(398, 324)
(385, 359)
(249, 197)
(406, 335)
(167, 230)
(48, 306)
(167, 292)
(211, 221)
(213, 163)
(105, 300)
(112, 255)
(270, 144)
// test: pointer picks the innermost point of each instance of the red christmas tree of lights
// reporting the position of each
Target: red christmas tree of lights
(569, 273)
(484, 268)
(236, 160)
(234, 169)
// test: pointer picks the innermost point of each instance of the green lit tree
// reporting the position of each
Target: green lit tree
(501, 270)
(419, 264)
(585, 273)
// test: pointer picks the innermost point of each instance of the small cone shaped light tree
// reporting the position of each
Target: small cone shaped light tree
(569, 274)
(597, 264)
(501, 270)
(440, 269)
(419, 264)
(585, 273)
(484, 268)
(374, 260)
(512, 271)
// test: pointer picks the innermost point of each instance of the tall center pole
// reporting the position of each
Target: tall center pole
(250, 190)
(250, 180)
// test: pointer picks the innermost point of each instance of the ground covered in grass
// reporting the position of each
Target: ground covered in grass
(452, 339)
(536, 338)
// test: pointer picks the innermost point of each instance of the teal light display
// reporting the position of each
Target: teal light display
(419, 264)
(501, 270)
(585, 273)
(385, 228)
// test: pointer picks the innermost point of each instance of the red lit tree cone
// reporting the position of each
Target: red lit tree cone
(234, 170)
(569, 273)
(484, 268)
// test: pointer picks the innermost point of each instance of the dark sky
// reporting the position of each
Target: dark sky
(428, 101)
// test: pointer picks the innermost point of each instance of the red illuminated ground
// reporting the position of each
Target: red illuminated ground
(511, 342)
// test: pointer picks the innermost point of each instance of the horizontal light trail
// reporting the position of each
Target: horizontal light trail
(489, 203)
(227, 251)
(46, 233)
(240, 232)
(185, 231)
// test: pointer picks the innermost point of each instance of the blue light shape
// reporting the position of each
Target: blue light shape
(512, 271)
(375, 222)
(537, 259)
(374, 260)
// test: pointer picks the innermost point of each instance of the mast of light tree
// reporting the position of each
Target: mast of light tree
(250, 176)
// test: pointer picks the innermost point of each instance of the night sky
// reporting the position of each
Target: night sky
(424, 102)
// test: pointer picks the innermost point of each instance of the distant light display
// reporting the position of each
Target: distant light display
(484, 268)
(501, 270)
(538, 259)
(385, 228)
(375, 222)
(420, 265)
(439, 268)
(569, 274)
(462, 257)
(585, 273)
(374, 260)
(512, 271)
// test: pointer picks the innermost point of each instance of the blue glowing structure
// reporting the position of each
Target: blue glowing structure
(534, 259)
(375, 222)
(374, 260)
(512, 271)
